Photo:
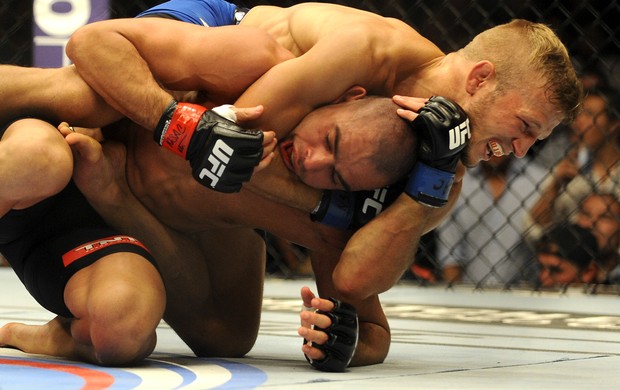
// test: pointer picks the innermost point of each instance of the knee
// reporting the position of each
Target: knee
(39, 148)
(222, 340)
(123, 325)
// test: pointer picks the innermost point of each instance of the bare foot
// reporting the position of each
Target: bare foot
(53, 338)
(99, 168)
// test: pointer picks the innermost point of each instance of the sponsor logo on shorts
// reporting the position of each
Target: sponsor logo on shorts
(459, 135)
(93, 246)
(219, 159)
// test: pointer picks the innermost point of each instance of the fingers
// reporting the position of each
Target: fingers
(264, 163)
(248, 114)
(269, 137)
(310, 321)
(309, 350)
(269, 146)
(307, 296)
(409, 106)
(409, 102)
(316, 319)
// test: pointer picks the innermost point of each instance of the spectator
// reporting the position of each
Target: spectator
(591, 165)
(482, 241)
(584, 136)
(566, 255)
(600, 213)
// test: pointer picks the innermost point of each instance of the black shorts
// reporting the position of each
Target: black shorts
(49, 242)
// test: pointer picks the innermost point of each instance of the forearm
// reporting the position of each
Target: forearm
(278, 184)
(124, 79)
(378, 254)
(57, 94)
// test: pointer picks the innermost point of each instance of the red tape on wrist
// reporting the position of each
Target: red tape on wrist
(181, 128)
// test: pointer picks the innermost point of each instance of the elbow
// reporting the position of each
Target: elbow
(80, 44)
(77, 40)
(353, 286)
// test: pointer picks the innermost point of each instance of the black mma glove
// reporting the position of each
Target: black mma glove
(343, 334)
(222, 154)
(443, 133)
(352, 210)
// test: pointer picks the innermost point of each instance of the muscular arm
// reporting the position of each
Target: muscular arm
(379, 253)
(148, 52)
(292, 89)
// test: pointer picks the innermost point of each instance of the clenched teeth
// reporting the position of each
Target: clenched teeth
(496, 149)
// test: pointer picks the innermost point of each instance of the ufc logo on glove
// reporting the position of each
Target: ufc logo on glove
(219, 159)
(222, 155)
(459, 135)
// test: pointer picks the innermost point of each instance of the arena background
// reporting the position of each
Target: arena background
(588, 28)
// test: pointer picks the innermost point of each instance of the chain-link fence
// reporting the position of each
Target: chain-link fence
(495, 236)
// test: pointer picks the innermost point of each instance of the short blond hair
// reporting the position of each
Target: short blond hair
(522, 50)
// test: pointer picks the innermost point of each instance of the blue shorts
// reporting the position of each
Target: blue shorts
(210, 13)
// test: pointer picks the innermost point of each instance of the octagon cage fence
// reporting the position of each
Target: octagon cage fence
(491, 239)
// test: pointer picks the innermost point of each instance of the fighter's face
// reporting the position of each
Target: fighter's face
(508, 122)
(326, 151)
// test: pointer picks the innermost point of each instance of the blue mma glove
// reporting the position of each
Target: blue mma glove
(352, 210)
(443, 133)
(221, 153)
(343, 334)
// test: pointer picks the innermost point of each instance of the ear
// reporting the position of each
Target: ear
(481, 74)
(354, 93)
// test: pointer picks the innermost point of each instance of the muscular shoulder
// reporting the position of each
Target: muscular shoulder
(302, 26)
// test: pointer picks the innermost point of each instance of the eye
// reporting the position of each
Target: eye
(328, 144)
(526, 128)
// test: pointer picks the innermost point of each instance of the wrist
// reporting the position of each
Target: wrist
(428, 185)
(176, 127)
(335, 209)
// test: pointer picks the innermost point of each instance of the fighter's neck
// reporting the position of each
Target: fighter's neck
(443, 77)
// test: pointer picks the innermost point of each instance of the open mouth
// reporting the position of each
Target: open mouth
(494, 149)
(286, 150)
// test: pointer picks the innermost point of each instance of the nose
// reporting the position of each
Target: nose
(520, 146)
(316, 160)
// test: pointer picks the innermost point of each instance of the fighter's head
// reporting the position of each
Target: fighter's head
(520, 85)
(359, 143)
